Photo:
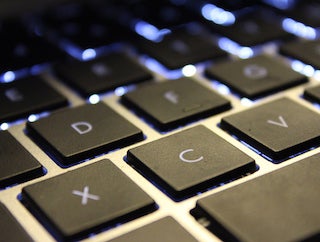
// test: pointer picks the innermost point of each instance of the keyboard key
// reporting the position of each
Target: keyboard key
(190, 161)
(79, 26)
(166, 229)
(17, 164)
(277, 129)
(253, 29)
(173, 103)
(11, 230)
(279, 206)
(28, 96)
(87, 199)
(182, 47)
(73, 135)
(305, 51)
(313, 94)
(255, 77)
(21, 49)
(103, 74)
(306, 12)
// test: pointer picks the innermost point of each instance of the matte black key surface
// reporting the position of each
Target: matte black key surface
(278, 129)
(313, 94)
(190, 161)
(83, 132)
(306, 12)
(253, 29)
(28, 96)
(103, 74)
(182, 47)
(83, 200)
(279, 206)
(256, 77)
(305, 51)
(21, 49)
(172, 103)
(16, 163)
(10, 229)
(166, 229)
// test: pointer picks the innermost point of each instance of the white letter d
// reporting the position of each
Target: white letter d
(82, 127)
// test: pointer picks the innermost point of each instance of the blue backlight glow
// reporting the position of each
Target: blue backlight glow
(4, 126)
(88, 54)
(235, 49)
(149, 31)
(9, 76)
(299, 29)
(217, 15)
(94, 99)
(189, 70)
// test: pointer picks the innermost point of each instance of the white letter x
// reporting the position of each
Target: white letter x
(85, 195)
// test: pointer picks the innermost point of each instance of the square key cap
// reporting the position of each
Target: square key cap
(172, 103)
(27, 96)
(83, 200)
(189, 161)
(305, 51)
(166, 229)
(256, 77)
(182, 47)
(82, 132)
(279, 206)
(102, 74)
(16, 163)
(278, 129)
(10, 228)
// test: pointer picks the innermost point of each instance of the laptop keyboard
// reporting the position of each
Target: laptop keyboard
(161, 121)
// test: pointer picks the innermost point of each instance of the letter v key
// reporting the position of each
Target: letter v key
(282, 122)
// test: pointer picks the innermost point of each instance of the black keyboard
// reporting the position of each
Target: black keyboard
(160, 120)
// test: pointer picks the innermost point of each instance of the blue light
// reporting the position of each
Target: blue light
(304, 69)
(235, 49)
(9, 76)
(88, 54)
(189, 70)
(149, 31)
(94, 99)
(281, 4)
(217, 15)
(299, 29)
(4, 126)
(120, 91)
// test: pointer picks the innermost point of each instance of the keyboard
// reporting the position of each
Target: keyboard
(160, 121)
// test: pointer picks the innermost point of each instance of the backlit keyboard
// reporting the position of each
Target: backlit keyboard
(162, 120)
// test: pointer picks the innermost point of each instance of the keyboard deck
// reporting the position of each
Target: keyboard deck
(161, 121)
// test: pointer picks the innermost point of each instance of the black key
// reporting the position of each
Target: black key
(182, 47)
(28, 96)
(188, 162)
(278, 129)
(11, 230)
(256, 77)
(254, 29)
(21, 49)
(82, 132)
(166, 229)
(306, 12)
(103, 74)
(86, 199)
(80, 26)
(279, 206)
(17, 165)
(313, 94)
(305, 51)
(172, 103)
